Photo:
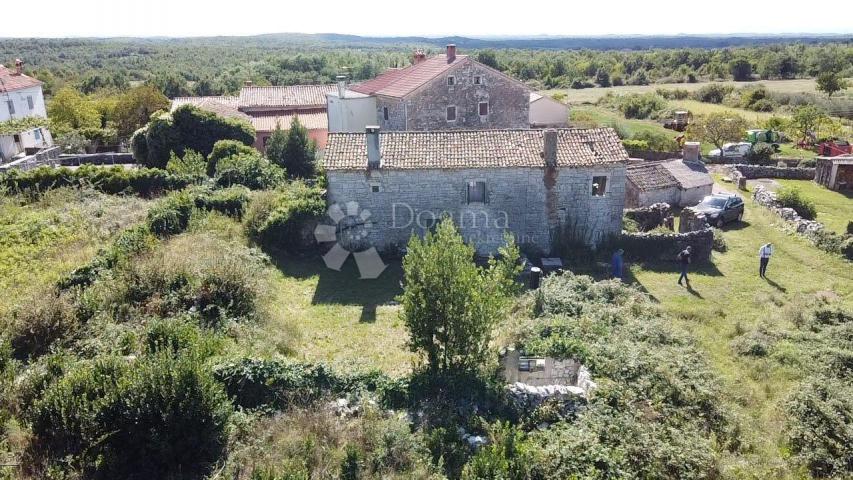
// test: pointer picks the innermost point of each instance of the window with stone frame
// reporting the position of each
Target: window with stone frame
(451, 113)
(476, 192)
(599, 186)
(483, 108)
(451, 81)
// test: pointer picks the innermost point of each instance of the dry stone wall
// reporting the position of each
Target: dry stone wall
(760, 171)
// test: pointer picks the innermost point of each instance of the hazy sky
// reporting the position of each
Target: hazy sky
(58, 18)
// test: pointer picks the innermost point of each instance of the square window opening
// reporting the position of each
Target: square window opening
(478, 80)
(451, 114)
(451, 81)
(375, 188)
(599, 186)
(483, 108)
(476, 192)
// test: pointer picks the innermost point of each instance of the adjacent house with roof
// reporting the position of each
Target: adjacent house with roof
(538, 185)
(678, 182)
(265, 107)
(21, 98)
(441, 92)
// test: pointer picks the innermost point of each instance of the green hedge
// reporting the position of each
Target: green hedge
(251, 170)
(276, 220)
(146, 181)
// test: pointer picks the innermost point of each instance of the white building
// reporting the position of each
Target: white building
(547, 112)
(20, 96)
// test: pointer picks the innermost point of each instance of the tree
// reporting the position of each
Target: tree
(449, 303)
(277, 146)
(134, 108)
(299, 151)
(718, 128)
(487, 57)
(831, 83)
(741, 70)
(805, 122)
(70, 110)
(602, 78)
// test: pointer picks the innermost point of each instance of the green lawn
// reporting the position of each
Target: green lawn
(834, 209)
(729, 298)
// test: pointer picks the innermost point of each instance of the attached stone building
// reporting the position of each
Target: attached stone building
(537, 185)
(441, 92)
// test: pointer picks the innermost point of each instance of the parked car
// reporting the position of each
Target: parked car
(721, 209)
(732, 150)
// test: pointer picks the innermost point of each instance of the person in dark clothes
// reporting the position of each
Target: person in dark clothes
(616, 264)
(684, 261)
(764, 254)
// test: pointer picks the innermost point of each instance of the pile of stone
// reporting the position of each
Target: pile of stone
(798, 224)
(651, 217)
(527, 398)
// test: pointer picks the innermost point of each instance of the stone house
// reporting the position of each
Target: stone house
(265, 107)
(538, 185)
(441, 92)
(678, 182)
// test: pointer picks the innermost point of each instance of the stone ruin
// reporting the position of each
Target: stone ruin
(533, 380)
(651, 217)
(691, 220)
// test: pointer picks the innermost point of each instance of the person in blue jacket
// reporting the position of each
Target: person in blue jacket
(616, 264)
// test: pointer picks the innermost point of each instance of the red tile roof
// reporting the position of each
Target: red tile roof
(400, 82)
(283, 98)
(10, 82)
(311, 121)
(475, 149)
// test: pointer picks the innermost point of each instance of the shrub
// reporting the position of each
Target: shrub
(808, 163)
(224, 149)
(636, 105)
(846, 247)
(761, 153)
(229, 201)
(789, 197)
(659, 142)
(713, 93)
(146, 182)
(635, 144)
(171, 215)
(278, 220)
(46, 319)
(820, 413)
(179, 337)
(250, 170)
(580, 83)
(192, 164)
(719, 244)
(509, 454)
(187, 128)
(675, 94)
(130, 242)
(160, 417)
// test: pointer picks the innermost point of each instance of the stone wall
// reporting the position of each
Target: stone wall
(509, 101)
(760, 171)
(534, 204)
(396, 113)
(666, 246)
(649, 217)
(766, 198)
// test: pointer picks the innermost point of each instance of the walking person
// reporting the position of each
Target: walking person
(684, 260)
(616, 264)
(764, 254)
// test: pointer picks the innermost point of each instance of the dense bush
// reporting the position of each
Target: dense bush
(171, 215)
(40, 323)
(636, 105)
(820, 416)
(761, 153)
(278, 220)
(192, 164)
(273, 384)
(229, 201)
(146, 181)
(659, 142)
(159, 417)
(789, 197)
(187, 128)
(250, 170)
(809, 163)
(674, 94)
(713, 93)
(224, 149)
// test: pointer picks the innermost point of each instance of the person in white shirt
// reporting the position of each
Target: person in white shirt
(764, 254)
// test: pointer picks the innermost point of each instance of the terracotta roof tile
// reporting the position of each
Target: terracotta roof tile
(650, 176)
(10, 82)
(403, 81)
(475, 149)
(293, 96)
(230, 101)
(311, 121)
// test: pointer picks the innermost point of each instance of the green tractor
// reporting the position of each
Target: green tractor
(757, 135)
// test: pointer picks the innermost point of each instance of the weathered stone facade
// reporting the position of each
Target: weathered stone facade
(533, 204)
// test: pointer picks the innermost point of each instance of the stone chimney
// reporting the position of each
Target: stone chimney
(342, 85)
(549, 148)
(451, 52)
(418, 57)
(691, 152)
(19, 66)
(373, 156)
